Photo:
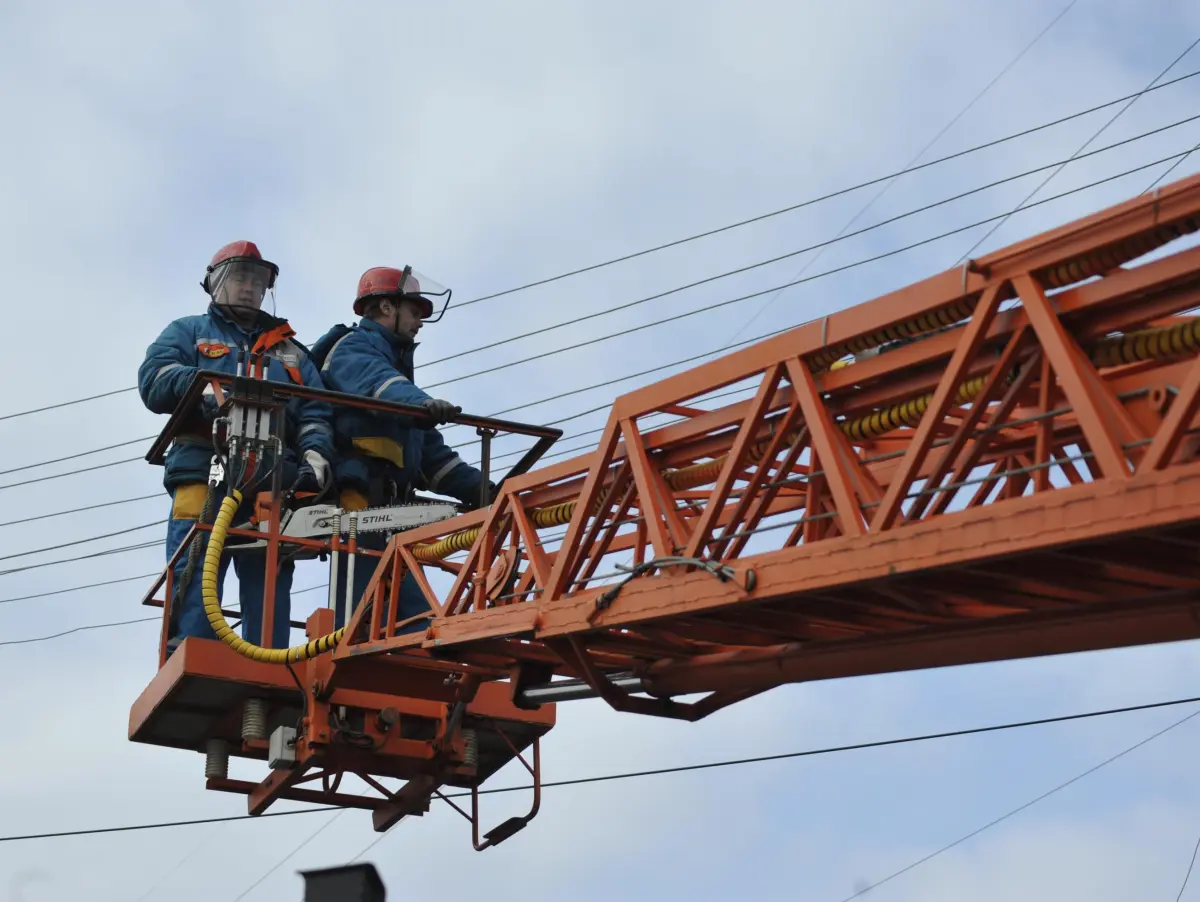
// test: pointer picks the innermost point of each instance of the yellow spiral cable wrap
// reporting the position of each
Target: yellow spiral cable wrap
(209, 580)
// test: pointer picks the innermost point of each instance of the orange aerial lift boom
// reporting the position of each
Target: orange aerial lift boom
(997, 462)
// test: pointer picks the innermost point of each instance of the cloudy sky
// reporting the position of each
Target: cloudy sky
(490, 146)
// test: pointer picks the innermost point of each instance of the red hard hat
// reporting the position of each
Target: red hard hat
(384, 281)
(240, 251)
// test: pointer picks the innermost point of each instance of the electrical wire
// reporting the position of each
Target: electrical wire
(112, 463)
(79, 510)
(821, 245)
(110, 582)
(690, 313)
(892, 182)
(284, 859)
(212, 834)
(848, 266)
(103, 535)
(675, 318)
(100, 626)
(1188, 875)
(124, 579)
(1020, 808)
(78, 629)
(720, 304)
(662, 771)
(1174, 166)
(824, 197)
(638, 328)
(843, 235)
(1082, 147)
(58, 460)
(810, 202)
(107, 394)
(83, 557)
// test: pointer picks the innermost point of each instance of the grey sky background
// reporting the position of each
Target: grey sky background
(488, 146)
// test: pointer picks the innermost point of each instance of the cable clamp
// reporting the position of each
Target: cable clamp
(723, 572)
(216, 472)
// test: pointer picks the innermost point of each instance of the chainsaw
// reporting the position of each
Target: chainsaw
(317, 521)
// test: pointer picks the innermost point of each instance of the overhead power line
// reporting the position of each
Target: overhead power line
(57, 545)
(107, 394)
(1154, 184)
(277, 865)
(106, 625)
(810, 202)
(159, 496)
(111, 463)
(1079, 153)
(58, 460)
(109, 582)
(816, 200)
(83, 557)
(719, 304)
(657, 772)
(853, 265)
(660, 322)
(706, 308)
(842, 236)
(1188, 875)
(920, 153)
(78, 629)
(114, 582)
(1020, 808)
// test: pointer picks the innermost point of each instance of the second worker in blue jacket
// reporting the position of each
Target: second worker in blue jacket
(381, 458)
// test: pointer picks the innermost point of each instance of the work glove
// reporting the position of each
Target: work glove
(208, 403)
(442, 410)
(471, 502)
(315, 469)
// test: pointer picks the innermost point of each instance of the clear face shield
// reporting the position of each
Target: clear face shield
(242, 285)
(426, 292)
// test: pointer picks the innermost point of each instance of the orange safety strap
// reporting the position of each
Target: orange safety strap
(270, 339)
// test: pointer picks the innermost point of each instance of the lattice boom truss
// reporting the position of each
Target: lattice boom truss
(1013, 474)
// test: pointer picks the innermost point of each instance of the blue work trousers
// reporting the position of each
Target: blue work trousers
(251, 569)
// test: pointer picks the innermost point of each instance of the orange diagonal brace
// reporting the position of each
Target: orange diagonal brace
(655, 500)
(967, 425)
(477, 558)
(1072, 368)
(734, 461)
(968, 345)
(1178, 418)
(565, 561)
(843, 472)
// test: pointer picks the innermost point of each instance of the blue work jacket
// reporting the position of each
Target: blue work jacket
(367, 359)
(211, 341)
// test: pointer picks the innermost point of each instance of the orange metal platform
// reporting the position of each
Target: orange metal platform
(200, 693)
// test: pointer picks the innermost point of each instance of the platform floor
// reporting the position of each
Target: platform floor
(199, 693)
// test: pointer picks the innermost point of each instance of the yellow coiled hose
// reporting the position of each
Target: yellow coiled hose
(1083, 267)
(210, 577)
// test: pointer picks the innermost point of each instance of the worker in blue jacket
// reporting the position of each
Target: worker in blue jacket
(237, 281)
(382, 458)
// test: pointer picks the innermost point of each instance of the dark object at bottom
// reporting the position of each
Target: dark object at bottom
(348, 883)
